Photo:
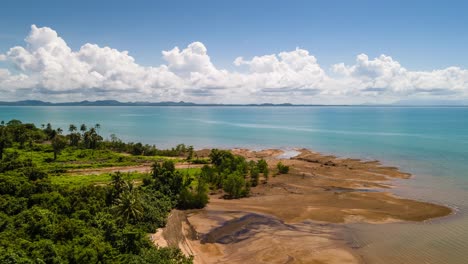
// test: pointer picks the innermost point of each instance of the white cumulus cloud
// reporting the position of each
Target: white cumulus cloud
(47, 68)
(384, 75)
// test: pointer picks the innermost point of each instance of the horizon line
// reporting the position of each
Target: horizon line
(111, 102)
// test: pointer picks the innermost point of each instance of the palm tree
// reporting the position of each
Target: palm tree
(118, 182)
(129, 205)
(91, 138)
(83, 128)
(74, 136)
(72, 128)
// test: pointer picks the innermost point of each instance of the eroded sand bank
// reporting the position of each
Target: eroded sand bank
(297, 217)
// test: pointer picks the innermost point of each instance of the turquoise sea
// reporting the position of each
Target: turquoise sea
(429, 142)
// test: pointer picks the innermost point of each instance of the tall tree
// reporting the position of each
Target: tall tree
(4, 140)
(83, 128)
(58, 144)
(262, 166)
(72, 128)
(49, 131)
(74, 136)
(91, 138)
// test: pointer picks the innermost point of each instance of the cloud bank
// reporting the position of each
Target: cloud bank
(47, 68)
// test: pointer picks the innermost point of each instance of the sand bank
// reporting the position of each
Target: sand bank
(297, 217)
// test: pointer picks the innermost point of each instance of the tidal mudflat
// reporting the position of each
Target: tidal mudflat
(298, 217)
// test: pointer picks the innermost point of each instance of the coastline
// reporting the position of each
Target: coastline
(314, 202)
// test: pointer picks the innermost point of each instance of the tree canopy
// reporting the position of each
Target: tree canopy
(45, 223)
(42, 222)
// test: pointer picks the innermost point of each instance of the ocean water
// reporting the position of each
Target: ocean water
(429, 142)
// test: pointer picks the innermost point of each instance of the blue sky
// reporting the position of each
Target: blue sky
(422, 35)
(419, 35)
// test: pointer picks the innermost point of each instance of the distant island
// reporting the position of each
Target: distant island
(182, 103)
(117, 103)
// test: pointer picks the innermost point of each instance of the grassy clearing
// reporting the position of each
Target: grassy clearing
(190, 172)
(72, 158)
(84, 180)
(76, 158)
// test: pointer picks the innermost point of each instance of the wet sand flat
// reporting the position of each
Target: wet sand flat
(296, 217)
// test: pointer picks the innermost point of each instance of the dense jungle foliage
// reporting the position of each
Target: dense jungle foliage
(46, 219)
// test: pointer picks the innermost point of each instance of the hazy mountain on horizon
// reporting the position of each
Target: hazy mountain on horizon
(118, 103)
(408, 102)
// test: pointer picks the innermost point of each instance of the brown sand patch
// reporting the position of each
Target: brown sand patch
(240, 237)
(262, 154)
(296, 217)
(203, 153)
(338, 189)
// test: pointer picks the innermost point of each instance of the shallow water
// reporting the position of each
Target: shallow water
(441, 240)
(429, 142)
(288, 153)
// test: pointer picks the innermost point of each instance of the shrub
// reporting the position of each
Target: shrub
(234, 186)
(262, 166)
(254, 176)
(200, 161)
(282, 169)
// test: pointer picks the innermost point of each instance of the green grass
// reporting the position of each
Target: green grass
(190, 171)
(72, 158)
(105, 178)
(84, 180)
(76, 158)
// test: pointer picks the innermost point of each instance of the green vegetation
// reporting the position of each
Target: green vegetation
(233, 173)
(44, 223)
(105, 178)
(50, 217)
(254, 173)
(235, 186)
(49, 213)
(138, 148)
(92, 179)
(262, 166)
(282, 169)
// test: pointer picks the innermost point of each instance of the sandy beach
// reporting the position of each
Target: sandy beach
(299, 217)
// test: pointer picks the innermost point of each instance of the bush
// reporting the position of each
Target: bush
(189, 199)
(254, 176)
(234, 186)
(282, 169)
(200, 161)
(262, 166)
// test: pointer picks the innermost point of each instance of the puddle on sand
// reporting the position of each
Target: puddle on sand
(346, 190)
(287, 154)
